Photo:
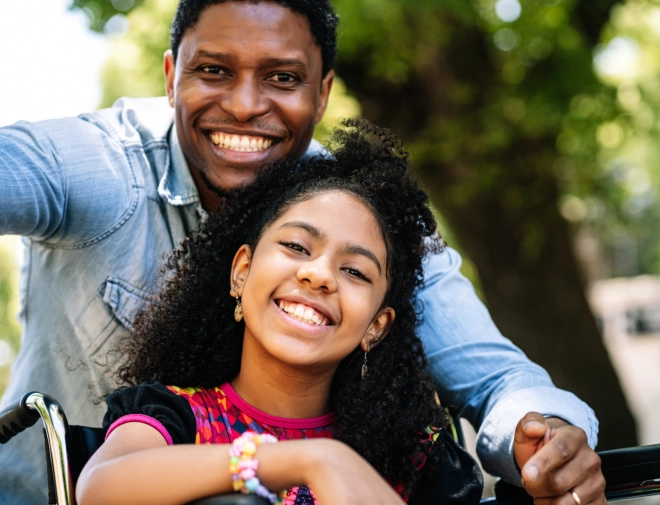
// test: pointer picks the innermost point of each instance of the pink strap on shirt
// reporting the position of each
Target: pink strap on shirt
(141, 418)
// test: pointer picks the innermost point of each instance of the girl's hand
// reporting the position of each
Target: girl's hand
(333, 471)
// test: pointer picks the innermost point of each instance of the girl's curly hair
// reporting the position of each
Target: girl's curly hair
(187, 336)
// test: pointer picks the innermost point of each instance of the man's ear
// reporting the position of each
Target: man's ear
(168, 69)
(326, 86)
(239, 270)
(378, 329)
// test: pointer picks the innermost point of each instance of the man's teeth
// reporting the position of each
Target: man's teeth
(241, 143)
(304, 313)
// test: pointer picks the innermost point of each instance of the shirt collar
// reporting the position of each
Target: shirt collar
(177, 185)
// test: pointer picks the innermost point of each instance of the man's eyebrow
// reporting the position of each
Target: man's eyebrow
(356, 249)
(203, 53)
(283, 62)
(312, 230)
(264, 62)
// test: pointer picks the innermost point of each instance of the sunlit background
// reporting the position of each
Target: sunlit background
(52, 64)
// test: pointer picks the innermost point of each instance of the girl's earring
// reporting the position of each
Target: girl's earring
(364, 363)
(238, 311)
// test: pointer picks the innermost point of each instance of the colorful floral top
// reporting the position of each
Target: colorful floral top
(219, 416)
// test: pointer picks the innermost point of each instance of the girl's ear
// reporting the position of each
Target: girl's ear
(378, 329)
(239, 270)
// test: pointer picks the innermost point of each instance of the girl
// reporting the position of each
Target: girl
(290, 315)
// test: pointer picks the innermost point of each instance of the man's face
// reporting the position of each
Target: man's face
(247, 88)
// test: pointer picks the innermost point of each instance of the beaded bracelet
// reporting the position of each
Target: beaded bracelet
(243, 466)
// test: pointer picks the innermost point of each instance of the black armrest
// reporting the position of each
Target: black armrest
(16, 417)
(629, 472)
(630, 466)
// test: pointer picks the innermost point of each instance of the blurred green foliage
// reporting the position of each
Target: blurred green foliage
(614, 174)
(101, 12)
(533, 80)
(9, 328)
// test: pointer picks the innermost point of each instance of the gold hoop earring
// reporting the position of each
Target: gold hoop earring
(238, 311)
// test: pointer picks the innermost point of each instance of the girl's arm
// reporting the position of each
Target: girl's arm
(135, 466)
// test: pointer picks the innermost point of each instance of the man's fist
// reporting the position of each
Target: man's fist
(558, 466)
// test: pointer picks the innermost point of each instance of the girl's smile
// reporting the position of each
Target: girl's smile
(304, 311)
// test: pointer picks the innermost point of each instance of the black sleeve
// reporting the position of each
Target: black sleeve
(456, 481)
(154, 400)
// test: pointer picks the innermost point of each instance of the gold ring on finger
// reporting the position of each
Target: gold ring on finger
(575, 497)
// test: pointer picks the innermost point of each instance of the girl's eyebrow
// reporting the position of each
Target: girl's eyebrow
(312, 230)
(356, 249)
(346, 248)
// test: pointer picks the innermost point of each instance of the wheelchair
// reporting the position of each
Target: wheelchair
(629, 473)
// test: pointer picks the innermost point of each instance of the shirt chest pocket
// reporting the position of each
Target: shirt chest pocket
(109, 316)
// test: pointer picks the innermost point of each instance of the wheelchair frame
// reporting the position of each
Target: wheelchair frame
(630, 473)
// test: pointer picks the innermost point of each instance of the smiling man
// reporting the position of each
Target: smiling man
(248, 85)
(103, 197)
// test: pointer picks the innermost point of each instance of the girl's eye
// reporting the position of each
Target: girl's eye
(294, 247)
(356, 273)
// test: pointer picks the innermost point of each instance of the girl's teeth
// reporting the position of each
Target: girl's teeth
(303, 313)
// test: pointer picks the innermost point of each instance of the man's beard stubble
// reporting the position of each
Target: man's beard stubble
(221, 192)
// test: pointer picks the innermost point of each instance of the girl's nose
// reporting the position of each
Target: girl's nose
(318, 275)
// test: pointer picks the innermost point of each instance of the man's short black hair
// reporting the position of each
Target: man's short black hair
(319, 14)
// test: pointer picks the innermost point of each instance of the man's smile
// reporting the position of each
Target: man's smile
(240, 143)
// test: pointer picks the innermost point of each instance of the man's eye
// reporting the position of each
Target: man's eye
(212, 70)
(283, 77)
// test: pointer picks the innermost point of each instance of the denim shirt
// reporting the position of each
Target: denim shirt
(102, 198)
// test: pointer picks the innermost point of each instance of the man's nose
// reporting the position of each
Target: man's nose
(245, 99)
(318, 275)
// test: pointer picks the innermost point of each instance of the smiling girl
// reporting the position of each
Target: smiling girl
(290, 315)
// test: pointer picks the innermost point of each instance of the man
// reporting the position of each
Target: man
(103, 197)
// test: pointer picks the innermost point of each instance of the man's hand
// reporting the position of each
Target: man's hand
(558, 466)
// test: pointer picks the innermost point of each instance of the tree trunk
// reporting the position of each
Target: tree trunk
(535, 292)
(502, 207)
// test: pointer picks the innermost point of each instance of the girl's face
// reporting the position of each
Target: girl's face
(313, 287)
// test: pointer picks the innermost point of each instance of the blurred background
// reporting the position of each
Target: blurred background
(534, 125)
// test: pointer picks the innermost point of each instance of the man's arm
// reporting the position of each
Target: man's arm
(32, 194)
(64, 181)
(483, 374)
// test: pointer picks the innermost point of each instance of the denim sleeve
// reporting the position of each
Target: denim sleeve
(64, 181)
(483, 374)
(32, 195)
